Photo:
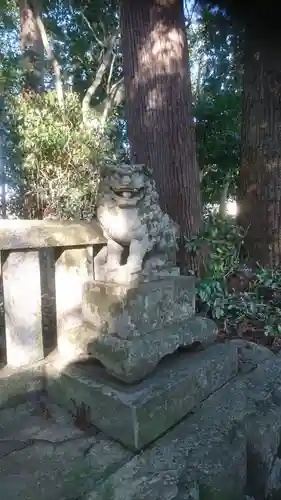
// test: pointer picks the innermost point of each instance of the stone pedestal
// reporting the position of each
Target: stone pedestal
(134, 326)
(137, 414)
(135, 383)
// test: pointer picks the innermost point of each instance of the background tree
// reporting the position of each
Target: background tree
(159, 104)
(71, 142)
(217, 105)
(83, 56)
(31, 45)
(259, 184)
(260, 174)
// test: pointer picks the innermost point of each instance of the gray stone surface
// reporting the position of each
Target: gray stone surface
(22, 303)
(132, 360)
(198, 451)
(274, 482)
(263, 432)
(50, 458)
(19, 234)
(16, 384)
(250, 354)
(74, 267)
(226, 448)
(132, 310)
(211, 447)
(138, 414)
(134, 328)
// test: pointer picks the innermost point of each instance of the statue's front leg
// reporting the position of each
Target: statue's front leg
(100, 263)
(137, 251)
(114, 254)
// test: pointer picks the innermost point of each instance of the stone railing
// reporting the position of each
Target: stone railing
(44, 265)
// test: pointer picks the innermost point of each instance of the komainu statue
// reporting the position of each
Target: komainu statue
(138, 309)
(134, 226)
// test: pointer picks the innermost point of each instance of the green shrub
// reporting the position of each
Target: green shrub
(229, 292)
(57, 158)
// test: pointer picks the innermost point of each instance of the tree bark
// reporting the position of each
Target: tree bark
(159, 105)
(31, 46)
(259, 193)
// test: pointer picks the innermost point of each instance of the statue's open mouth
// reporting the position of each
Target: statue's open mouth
(126, 193)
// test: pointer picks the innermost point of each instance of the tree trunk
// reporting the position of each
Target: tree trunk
(31, 46)
(159, 105)
(260, 175)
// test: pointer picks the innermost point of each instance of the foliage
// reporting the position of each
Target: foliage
(237, 297)
(221, 241)
(78, 33)
(60, 157)
(217, 108)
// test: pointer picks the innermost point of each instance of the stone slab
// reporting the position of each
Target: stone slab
(20, 234)
(132, 360)
(50, 458)
(22, 305)
(72, 269)
(137, 415)
(17, 384)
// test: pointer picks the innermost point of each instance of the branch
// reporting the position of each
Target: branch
(51, 57)
(206, 170)
(110, 74)
(98, 78)
(92, 30)
(115, 97)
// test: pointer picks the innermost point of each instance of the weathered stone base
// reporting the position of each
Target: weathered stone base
(132, 360)
(134, 326)
(137, 415)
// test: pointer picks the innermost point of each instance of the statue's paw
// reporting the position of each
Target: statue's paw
(124, 274)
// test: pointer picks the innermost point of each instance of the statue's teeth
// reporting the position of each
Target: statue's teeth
(126, 194)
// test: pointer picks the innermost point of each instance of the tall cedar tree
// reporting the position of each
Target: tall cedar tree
(259, 194)
(159, 106)
(259, 190)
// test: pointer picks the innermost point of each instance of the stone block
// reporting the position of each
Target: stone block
(203, 454)
(30, 234)
(74, 267)
(131, 310)
(136, 415)
(22, 304)
(132, 360)
(134, 327)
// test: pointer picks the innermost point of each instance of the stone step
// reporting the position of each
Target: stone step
(136, 415)
(229, 449)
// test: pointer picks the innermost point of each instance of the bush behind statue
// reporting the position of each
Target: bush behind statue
(54, 158)
(244, 300)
